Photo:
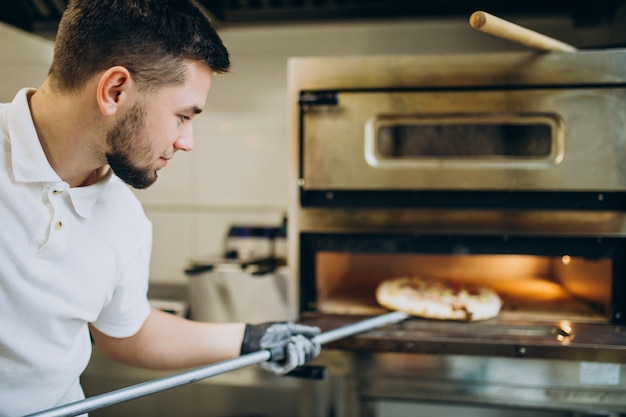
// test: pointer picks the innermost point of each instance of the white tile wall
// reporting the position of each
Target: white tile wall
(237, 172)
(24, 59)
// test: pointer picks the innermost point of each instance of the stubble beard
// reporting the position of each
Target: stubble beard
(127, 142)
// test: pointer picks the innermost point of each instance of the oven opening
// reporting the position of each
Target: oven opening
(537, 288)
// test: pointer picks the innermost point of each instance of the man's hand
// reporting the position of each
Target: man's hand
(297, 340)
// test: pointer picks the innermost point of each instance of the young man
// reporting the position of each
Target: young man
(127, 78)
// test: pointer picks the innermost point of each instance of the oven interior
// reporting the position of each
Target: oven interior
(537, 277)
(532, 287)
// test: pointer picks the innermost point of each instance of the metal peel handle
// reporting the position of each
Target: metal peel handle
(501, 28)
(361, 326)
(162, 384)
(154, 386)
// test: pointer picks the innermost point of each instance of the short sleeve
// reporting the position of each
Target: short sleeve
(129, 307)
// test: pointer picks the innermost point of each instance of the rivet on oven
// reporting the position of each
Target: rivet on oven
(300, 182)
(617, 315)
(521, 351)
(329, 196)
(600, 197)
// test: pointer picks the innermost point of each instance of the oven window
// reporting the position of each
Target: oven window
(460, 141)
(481, 139)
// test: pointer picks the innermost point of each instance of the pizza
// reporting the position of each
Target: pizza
(439, 298)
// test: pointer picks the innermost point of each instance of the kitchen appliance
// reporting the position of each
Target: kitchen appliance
(247, 282)
(505, 169)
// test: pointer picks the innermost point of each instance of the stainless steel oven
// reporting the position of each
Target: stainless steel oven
(503, 168)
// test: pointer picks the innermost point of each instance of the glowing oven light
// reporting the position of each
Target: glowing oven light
(566, 326)
(566, 259)
(565, 332)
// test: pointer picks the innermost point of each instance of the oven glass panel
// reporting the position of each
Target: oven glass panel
(481, 139)
(531, 287)
(464, 141)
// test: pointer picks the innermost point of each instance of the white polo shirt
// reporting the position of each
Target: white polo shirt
(68, 257)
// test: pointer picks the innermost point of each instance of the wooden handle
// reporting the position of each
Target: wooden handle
(501, 28)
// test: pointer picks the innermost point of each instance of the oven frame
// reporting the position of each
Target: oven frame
(336, 219)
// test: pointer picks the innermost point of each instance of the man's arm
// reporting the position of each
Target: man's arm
(166, 341)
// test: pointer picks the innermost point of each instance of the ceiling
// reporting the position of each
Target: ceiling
(42, 16)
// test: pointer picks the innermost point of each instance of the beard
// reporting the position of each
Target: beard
(128, 142)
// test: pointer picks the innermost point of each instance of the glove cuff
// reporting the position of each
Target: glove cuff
(252, 335)
(245, 342)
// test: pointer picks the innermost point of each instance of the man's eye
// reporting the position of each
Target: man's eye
(183, 118)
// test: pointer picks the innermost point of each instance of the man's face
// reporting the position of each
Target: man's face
(153, 129)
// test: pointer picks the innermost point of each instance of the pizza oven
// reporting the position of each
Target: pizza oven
(505, 169)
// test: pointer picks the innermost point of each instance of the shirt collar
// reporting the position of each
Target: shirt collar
(84, 198)
(30, 164)
(28, 159)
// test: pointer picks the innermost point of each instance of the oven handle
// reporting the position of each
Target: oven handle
(162, 384)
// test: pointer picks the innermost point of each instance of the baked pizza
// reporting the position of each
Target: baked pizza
(438, 298)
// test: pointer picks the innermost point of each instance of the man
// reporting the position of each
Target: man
(126, 81)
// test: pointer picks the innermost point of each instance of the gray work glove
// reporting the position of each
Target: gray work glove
(296, 340)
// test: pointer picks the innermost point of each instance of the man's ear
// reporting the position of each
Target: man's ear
(115, 88)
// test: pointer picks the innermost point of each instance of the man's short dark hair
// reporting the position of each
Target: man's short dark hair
(151, 38)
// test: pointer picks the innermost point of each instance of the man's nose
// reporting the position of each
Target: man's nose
(184, 142)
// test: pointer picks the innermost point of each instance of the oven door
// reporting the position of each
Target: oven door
(542, 139)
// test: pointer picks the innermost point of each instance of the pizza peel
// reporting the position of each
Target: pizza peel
(162, 384)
